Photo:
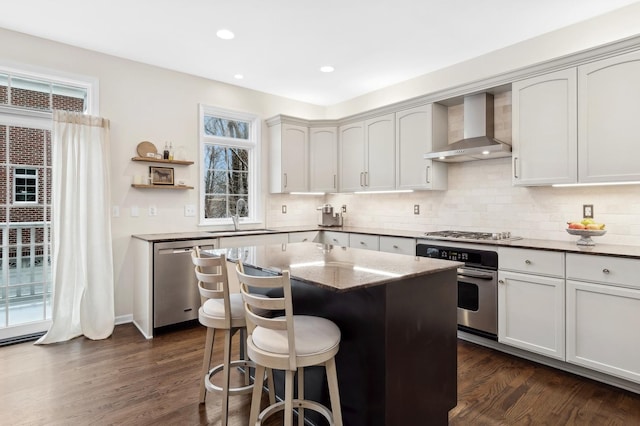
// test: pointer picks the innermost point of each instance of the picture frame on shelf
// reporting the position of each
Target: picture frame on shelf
(161, 175)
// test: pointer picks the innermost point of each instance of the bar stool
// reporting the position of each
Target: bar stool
(287, 342)
(221, 310)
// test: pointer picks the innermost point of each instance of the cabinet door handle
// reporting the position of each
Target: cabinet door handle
(361, 176)
(500, 281)
(366, 178)
(605, 271)
(362, 243)
(515, 167)
(335, 179)
(528, 262)
(305, 240)
(395, 246)
(428, 172)
(285, 180)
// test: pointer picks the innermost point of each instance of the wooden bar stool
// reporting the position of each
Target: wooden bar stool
(287, 342)
(224, 311)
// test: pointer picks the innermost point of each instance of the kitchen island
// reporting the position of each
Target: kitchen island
(397, 362)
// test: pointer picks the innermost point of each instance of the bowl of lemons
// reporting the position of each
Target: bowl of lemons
(585, 229)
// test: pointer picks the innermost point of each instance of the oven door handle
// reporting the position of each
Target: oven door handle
(474, 274)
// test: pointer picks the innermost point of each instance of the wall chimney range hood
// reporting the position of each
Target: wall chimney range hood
(478, 142)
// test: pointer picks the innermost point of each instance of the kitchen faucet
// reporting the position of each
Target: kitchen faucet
(236, 217)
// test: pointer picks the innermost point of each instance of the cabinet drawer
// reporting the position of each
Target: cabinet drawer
(538, 262)
(398, 245)
(364, 241)
(303, 237)
(335, 238)
(604, 269)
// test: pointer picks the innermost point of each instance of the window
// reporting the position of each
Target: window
(25, 186)
(229, 166)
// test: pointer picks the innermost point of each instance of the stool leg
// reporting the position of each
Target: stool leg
(256, 396)
(243, 345)
(334, 394)
(225, 376)
(288, 398)
(272, 387)
(301, 395)
(206, 362)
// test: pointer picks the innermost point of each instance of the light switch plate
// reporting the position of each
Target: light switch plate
(115, 211)
(135, 212)
(153, 210)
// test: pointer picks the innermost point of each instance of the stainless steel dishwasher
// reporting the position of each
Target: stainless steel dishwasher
(175, 289)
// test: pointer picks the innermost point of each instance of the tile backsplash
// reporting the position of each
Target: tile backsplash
(480, 198)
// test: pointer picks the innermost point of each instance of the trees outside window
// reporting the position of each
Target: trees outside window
(229, 166)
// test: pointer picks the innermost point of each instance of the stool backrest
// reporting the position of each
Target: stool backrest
(213, 282)
(266, 311)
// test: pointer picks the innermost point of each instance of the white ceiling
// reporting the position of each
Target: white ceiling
(281, 44)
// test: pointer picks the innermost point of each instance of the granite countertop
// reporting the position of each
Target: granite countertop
(336, 268)
(552, 245)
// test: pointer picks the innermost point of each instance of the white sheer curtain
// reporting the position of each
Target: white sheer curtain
(82, 262)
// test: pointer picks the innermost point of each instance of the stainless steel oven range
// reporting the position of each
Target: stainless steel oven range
(477, 284)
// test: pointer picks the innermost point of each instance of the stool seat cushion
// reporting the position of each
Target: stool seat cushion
(215, 307)
(313, 335)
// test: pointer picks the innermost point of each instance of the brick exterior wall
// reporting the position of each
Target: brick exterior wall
(28, 148)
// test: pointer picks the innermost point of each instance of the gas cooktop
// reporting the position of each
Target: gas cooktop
(469, 235)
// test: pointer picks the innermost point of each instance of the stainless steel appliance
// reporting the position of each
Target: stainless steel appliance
(477, 285)
(470, 236)
(328, 217)
(175, 289)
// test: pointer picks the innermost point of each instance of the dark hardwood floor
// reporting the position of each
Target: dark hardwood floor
(127, 379)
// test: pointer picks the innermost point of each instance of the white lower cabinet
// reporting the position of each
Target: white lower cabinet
(303, 237)
(531, 296)
(603, 316)
(335, 238)
(400, 245)
(364, 241)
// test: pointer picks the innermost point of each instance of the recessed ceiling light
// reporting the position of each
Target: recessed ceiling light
(327, 68)
(238, 76)
(225, 34)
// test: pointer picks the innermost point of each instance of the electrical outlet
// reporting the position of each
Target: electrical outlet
(135, 212)
(189, 210)
(416, 209)
(344, 208)
(115, 211)
(587, 211)
(153, 210)
(284, 209)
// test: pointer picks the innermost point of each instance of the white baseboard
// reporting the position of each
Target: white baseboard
(124, 319)
(560, 365)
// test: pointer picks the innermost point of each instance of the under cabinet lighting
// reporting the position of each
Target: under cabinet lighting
(395, 191)
(327, 68)
(306, 193)
(238, 76)
(566, 185)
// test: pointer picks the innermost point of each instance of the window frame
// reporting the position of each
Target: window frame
(16, 176)
(252, 145)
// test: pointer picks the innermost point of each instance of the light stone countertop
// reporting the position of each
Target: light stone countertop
(336, 268)
(551, 245)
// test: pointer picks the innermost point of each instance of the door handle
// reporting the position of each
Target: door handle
(428, 180)
(515, 168)
(285, 180)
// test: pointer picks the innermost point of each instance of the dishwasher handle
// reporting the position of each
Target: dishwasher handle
(178, 250)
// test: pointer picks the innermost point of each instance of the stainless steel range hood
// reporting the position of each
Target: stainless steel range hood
(478, 142)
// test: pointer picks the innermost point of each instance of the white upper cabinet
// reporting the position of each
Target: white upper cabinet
(418, 131)
(380, 136)
(545, 129)
(609, 119)
(323, 159)
(579, 125)
(289, 157)
(352, 157)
